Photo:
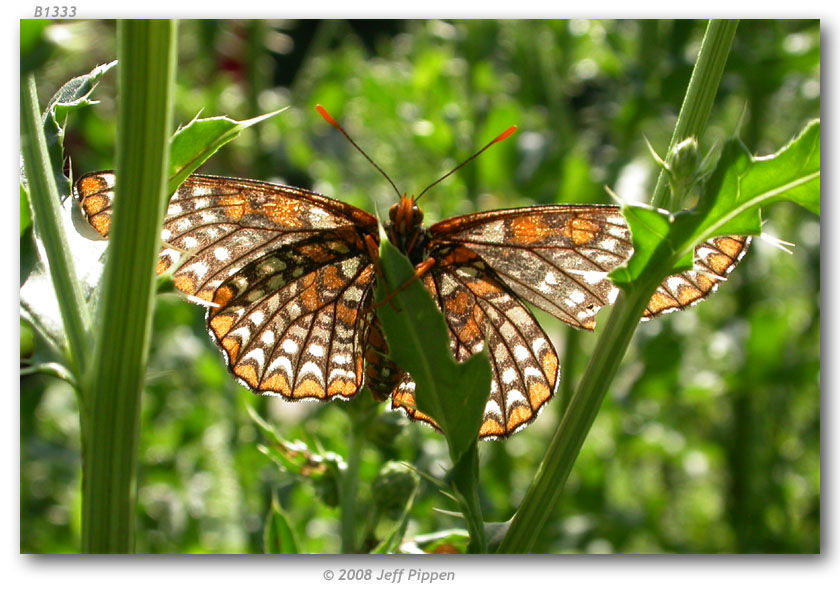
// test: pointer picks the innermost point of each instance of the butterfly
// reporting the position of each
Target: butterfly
(287, 278)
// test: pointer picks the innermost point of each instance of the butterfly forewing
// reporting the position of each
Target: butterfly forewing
(555, 257)
(214, 226)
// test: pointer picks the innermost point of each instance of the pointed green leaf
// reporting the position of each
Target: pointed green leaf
(453, 394)
(649, 228)
(197, 141)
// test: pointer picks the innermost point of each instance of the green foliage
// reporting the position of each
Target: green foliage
(738, 188)
(198, 140)
(72, 96)
(453, 394)
(35, 47)
(709, 438)
(394, 490)
(279, 537)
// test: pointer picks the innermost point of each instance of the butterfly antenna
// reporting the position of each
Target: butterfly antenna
(328, 118)
(502, 136)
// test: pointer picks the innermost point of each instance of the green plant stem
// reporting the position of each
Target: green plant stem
(350, 486)
(44, 201)
(563, 450)
(547, 487)
(463, 477)
(114, 382)
(571, 351)
(699, 97)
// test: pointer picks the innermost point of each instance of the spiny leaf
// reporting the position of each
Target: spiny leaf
(730, 204)
(72, 96)
(741, 185)
(197, 141)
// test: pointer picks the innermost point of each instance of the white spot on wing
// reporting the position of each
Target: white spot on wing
(521, 353)
(316, 350)
(257, 355)
(514, 396)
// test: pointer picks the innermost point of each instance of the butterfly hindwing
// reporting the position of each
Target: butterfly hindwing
(482, 313)
(714, 260)
(291, 323)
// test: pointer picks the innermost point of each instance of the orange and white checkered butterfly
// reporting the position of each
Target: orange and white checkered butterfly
(288, 275)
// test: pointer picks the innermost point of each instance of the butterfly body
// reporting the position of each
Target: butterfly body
(405, 229)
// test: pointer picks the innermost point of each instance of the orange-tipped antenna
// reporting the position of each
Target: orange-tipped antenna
(502, 136)
(328, 118)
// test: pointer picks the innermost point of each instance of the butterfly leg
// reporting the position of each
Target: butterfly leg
(419, 271)
(373, 252)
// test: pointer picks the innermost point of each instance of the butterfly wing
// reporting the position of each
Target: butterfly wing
(482, 312)
(290, 323)
(557, 258)
(713, 261)
(214, 226)
(284, 272)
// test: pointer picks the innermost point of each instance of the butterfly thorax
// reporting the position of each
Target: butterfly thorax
(405, 229)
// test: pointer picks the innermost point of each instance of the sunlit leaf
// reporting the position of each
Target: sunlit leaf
(197, 141)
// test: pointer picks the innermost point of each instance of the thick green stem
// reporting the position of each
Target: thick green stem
(563, 450)
(699, 97)
(547, 487)
(44, 200)
(114, 382)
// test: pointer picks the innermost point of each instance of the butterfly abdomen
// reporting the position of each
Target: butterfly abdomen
(382, 375)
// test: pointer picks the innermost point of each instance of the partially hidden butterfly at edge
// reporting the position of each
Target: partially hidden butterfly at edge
(288, 276)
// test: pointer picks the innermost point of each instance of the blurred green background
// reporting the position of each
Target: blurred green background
(709, 440)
